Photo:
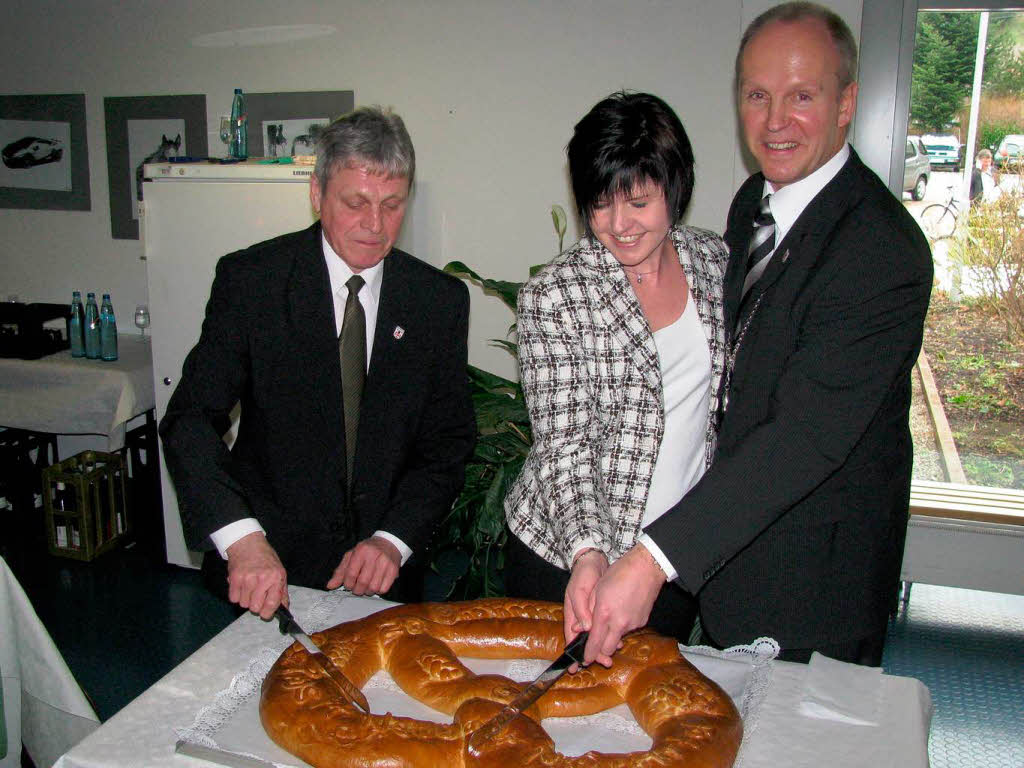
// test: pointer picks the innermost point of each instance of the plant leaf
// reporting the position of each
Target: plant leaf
(511, 347)
(559, 220)
(505, 290)
(489, 382)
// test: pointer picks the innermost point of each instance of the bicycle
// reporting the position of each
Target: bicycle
(938, 220)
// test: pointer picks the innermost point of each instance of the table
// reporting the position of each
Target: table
(43, 705)
(66, 395)
(143, 732)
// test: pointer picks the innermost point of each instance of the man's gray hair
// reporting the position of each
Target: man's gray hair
(842, 37)
(369, 137)
(983, 154)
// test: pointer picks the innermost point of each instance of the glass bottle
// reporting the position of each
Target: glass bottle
(239, 126)
(62, 509)
(76, 327)
(92, 328)
(108, 330)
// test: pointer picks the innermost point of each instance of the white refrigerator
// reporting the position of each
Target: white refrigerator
(192, 214)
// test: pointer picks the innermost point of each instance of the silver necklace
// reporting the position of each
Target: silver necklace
(639, 275)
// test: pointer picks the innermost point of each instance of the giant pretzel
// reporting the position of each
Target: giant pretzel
(691, 721)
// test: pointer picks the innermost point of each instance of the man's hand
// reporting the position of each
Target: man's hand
(256, 578)
(587, 570)
(369, 568)
(622, 602)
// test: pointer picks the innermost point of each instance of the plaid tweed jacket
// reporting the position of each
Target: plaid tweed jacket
(592, 380)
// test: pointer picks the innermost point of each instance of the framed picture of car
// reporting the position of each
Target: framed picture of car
(44, 154)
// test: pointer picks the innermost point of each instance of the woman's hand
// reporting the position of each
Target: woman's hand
(587, 569)
(622, 602)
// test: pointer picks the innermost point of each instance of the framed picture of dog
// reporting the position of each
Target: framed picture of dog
(44, 152)
(147, 129)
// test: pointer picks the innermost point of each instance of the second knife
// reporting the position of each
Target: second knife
(573, 654)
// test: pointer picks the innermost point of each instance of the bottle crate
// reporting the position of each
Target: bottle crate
(86, 505)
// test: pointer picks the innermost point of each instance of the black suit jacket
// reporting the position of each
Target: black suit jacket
(797, 529)
(268, 341)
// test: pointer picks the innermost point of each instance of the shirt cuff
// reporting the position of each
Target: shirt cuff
(659, 556)
(399, 544)
(224, 537)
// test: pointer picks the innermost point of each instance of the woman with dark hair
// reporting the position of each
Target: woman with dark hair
(620, 353)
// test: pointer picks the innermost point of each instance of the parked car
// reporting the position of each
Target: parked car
(943, 151)
(1010, 154)
(917, 169)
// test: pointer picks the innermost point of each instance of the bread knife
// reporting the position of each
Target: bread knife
(335, 675)
(219, 756)
(573, 654)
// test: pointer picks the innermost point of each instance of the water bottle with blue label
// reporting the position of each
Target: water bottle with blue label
(76, 327)
(239, 127)
(108, 330)
(92, 328)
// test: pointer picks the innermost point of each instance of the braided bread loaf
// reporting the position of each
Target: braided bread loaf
(691, 721)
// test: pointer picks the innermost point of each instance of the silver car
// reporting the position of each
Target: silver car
(917, 169)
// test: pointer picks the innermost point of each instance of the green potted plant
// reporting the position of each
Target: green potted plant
(468, 549)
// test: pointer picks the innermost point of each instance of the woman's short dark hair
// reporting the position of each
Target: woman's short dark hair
(626, 141)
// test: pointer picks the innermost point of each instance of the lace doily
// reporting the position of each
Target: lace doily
(743, 671)
(246, 684)
(759, 654)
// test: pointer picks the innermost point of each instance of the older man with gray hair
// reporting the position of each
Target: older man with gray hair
(348, 358)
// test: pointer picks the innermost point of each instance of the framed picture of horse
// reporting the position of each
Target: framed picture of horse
(44, 152)
(286, 124)
(147, 129)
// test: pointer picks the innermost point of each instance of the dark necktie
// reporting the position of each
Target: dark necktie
(762, 241)
(353, 366)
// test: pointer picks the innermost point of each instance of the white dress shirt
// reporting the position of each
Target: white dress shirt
(789, 202)
(369, 297)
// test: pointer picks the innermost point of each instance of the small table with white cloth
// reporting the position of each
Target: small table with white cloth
(42, 704)
(211, 700)
(68, 395)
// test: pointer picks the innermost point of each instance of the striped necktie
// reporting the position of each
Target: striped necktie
(762, 242)
(352, 344)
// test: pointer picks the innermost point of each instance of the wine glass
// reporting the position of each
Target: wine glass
(142, 319)
(225, 129)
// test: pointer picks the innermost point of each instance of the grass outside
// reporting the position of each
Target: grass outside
(980, 377)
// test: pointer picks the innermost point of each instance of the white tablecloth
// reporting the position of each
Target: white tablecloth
(43, 706)
(144, 732)
(70, 396)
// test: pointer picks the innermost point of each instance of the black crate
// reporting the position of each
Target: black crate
(22, 333)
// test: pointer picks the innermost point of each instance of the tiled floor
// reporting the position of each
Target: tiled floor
(966, 646)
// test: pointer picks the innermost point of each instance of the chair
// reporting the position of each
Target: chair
(23, 456)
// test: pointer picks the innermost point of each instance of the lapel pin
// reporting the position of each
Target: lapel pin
(785, 256)
(399, 332)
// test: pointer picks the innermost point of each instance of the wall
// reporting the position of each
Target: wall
(489, 89)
